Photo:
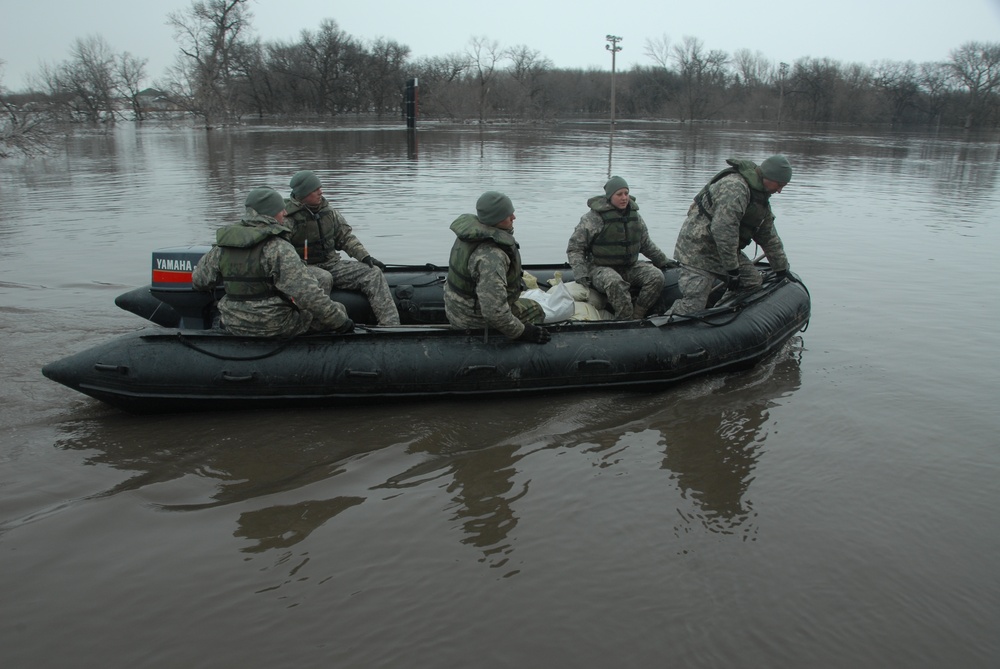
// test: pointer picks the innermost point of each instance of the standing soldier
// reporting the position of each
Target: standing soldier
(320, 233)
(733, 210)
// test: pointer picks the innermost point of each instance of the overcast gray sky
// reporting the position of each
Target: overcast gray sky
(571, 33)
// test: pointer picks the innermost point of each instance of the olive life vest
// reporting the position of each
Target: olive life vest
(240, 263)
(309, 226)
(471, 233)
(619, 241)
(759, 208)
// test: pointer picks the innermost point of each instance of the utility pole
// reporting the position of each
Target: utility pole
(613, 48)
(783, 70)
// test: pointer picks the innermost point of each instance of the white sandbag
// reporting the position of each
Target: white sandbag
(556, 302)
(584, 311)
(577, 290)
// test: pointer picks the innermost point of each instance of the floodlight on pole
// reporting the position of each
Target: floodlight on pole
(613, 48)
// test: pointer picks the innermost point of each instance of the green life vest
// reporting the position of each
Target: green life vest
(619, 241)
(312, 227)
(471, 233)
(759, 208)
(240, 263)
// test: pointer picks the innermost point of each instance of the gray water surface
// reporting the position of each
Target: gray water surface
(836, 506)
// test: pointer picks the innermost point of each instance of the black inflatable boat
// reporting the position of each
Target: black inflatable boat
(188, 363)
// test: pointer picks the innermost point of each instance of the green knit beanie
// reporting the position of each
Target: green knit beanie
(265, 201)
(614, 185)
(776, 168)
(303, 183)
(493, 207)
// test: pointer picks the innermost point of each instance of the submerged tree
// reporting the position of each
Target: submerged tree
(703, 77)
(24, 130)
(84, 87)
(976, 66)
(94, 82)
(484, 57)
(442, 88)
(210, 33)
(386, 60)
(131, 71)
(527, 72)
(899, 85)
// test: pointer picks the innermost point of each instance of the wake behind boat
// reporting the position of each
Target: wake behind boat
(189, 364)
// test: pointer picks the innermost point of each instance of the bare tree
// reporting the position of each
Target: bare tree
(442, 91)
(814, 82)
(935, 82)
(131, 72)
(703, 74)
(658, 50)
(208, 34)
(854, 98)
(24, 131)
(386, 60)
(898, 84)
(484, 56)
(527, 70)
(326, 52)
(84, 86)
(752, 68)
(976, 66)
(257, 85)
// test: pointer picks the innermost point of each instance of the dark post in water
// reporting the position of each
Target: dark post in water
(411, 102)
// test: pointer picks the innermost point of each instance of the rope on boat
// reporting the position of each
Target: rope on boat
(194, 347)
(736, 305)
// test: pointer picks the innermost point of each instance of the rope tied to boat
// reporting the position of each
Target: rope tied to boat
(194, 347)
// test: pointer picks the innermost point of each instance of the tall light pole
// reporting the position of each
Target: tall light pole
(613, 48)
(782, 70)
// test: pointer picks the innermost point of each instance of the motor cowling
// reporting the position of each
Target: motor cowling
(171, 284)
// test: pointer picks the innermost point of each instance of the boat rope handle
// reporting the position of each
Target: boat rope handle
(195, 347)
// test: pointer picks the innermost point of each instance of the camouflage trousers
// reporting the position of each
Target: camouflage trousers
(617, 284)
(359, 276)
(696, 285)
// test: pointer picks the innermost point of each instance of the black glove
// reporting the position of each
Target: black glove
(781, 274)
(372, 262)
(348, 326)
(534, 334)
(733, 280)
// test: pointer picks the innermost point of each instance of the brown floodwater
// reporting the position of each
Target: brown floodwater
(836, 506)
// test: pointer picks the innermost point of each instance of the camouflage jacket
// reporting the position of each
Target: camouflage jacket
(709, 238)
(591, 225)
(277, 315)
(488, 266)
(325, 230)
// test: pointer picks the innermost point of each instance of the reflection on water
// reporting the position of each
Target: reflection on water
(712, 433)
(712, 449)
(280, 527)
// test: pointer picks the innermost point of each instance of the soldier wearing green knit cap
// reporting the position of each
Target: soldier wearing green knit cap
(269, 291)
(320, 233)
(484, 275)
(730, 212)
(604, 252)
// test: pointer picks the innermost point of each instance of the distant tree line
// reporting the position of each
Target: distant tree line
(223, 74)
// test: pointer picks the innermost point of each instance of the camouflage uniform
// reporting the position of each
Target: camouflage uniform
(328, 233)
(490, 267)
(617, 281)
(276, 315)
(729, 213)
